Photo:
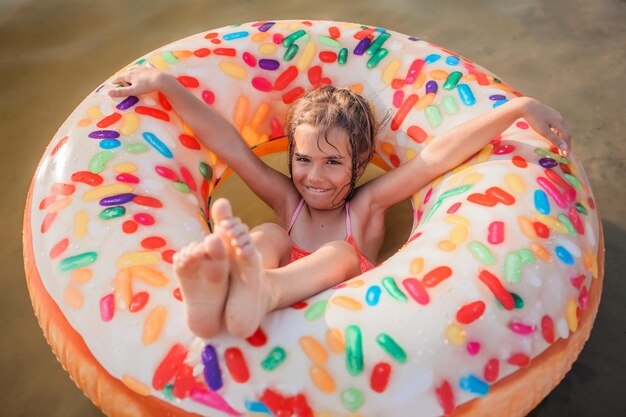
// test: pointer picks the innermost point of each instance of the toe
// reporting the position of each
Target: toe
(221, 210)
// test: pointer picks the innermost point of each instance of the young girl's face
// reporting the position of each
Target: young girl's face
(321, 171)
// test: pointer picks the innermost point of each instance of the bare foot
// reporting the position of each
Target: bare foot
(248, 298)
(202, 270)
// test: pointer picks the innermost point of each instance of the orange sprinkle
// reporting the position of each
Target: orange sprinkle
(82, 275)
(136, 386)
(335, 340)
(154, 325)
(73, 297)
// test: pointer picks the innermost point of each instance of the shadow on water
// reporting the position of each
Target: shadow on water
(596, 381)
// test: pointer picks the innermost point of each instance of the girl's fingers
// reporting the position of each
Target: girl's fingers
(121, 91)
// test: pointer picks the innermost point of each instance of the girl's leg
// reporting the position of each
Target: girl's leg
(273, 243)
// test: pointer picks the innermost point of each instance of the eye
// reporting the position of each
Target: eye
(301, 159)
(333, 162)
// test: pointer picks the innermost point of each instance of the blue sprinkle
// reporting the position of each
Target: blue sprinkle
(564, 255)
(373, 295)
(257, 407)
(499, 103)
(110, 143)
(474, 385)
(452, 60)
(467, 97)
(432, 58)
(235, 35)
(212, 372)
(541, 202)
(157, 144)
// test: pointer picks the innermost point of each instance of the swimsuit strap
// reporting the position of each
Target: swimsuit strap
(296, 214)
(348, 223)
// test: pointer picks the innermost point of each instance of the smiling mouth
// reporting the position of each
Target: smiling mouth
(317, 190)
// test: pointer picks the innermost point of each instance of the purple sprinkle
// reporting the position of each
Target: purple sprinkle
(128, 102)
(104, 134)
(269, 64)
(431, 87)
(116, 200)
(497, 97)
(212, 373)
(412, 38)
(266, 26)
(362, 46)
(548, 162)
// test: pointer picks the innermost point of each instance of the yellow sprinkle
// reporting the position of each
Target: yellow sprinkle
(587, 259)
(260, 37)
(346, 302)
(307, 56)
(572, 319)
(294, 25)
(335, 341)
(154, 324)
(130, 124)
(438, 74)
(158, 61)
(212, 158)
(419, 82)
(469, 77)
(425, 101)
(526, 226)
(241, 111)
(281, 25)
(356, 283)
(83, 122)
(417, 265)
(410, 154)
(73, 297)
(136, 386)
(149, 275)
(322, 379)
(188, 130)
(390, 71)
(455, 334)
(540, 252)
(260, 114)
(456, 219)
(357, 88)
(515, 183)
(250, 136)
(80, 224)
(123, 288)
(314, 350)
(267, 49)
(81, 275)
(138, 258)
(94, 112)
(106, 191)
(594, 266)
(459, 234)
(485, 153)
(387, 148)
(234, 70)
(552, 223)
(472, 178)
(125, 167)
(59, 205)
(446, 246)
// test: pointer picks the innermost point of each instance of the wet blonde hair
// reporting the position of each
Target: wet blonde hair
(328, 108)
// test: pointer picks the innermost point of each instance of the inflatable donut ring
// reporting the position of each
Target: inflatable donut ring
(481, 312)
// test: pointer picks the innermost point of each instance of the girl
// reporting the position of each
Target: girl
(328, 231)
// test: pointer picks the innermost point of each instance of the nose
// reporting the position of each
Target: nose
(315, 174)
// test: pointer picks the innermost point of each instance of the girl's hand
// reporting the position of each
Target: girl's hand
(137, 80)
(547, 122)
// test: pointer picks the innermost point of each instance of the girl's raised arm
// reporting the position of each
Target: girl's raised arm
(453, 147)
(219, 135)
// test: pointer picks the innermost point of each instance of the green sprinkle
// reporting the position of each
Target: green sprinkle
(581, 209)
(99, 160)
(274, 358)
(206, 171)
(449, 105)
(181, 186)
(168, 392)
(141, 61)
(391, 347)
(378, 42)
(328, 41)
(565, 221)
(289, 40)
(482, 253)
(434, 116)
(573, 180)
(556, 157)
(455, 191)
(169, 57)
(352, 399)
(78, 261)
(290, 52)
(519, 301)
(354, 350)
(433, 209)
(527, 256)
(512, 267)
(136, 148)
(112, 212)
(315, 311)
(376, 58)
(452, 80)
(343, 56)
(390, 285)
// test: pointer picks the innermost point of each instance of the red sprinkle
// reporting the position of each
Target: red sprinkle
(109, 120)
(501, 195)
(184, 382)
(398, 98)
(292, 95)
(166, 173)
(403, 111)
(87, 177)
(492, 369)
(169, 366)
(262, 84)
(59, 248)
(583, 298)
(258, 338)
(129, 226)
(547, 329)
(364, 33)
(46, 202)
(496, 233)
(188, 82)
(184, 172)
(225, 51)
(333, 31)
(470, 312)
(286, 78)
(208, 97)
(519, 359)
(147, 201)
(127, 178)
(144, 218)
(189, 142)
(541, 229)
(63, 189)
(138, 301)
(299, 305)
(315, 75)
(202, 52)
(47, 222)
(177, 294)
(236, 364)
(153, 242)
(482, 199)
(249, 59)
(416, 290)
(152, 112)
(434, 277)
(495, 286)
(168, 256)
(445, 396)
(519, 162)
(380, 377)
(328, 57)
(417, 134)
(164, 102)
(454, 207)
(59, 145)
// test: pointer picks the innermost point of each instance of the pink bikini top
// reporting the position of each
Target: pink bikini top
(297, 252)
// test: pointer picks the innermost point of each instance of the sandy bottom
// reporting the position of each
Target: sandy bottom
(569, 54)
